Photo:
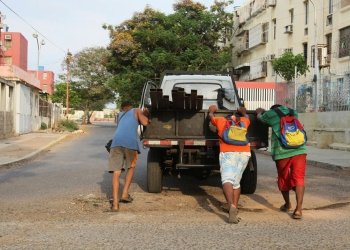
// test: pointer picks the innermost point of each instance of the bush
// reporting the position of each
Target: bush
(69, 125)
(43, 126)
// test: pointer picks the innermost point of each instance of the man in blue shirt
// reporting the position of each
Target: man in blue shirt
(125, 150)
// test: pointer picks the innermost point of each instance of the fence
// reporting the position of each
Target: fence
(50, 112)
(333, 94)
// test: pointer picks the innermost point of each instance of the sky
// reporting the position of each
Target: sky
(72, 24)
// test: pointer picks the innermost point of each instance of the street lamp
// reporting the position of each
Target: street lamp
(35, 35)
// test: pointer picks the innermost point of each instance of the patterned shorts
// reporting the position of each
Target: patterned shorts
(232, 166)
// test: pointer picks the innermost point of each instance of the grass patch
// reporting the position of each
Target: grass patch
(69, 125)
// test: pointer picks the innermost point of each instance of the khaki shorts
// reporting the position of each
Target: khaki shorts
(119, 156)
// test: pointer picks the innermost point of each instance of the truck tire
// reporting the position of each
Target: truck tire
(250, 176)
(154, 172)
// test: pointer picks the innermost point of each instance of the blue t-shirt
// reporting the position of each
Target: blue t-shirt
(126, 134)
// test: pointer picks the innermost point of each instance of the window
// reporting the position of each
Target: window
(305, 51)
(8, 60)
(306, 13)
(265, 34)
(247, 40)
(45, 87)
(344, 3)
(306, 31)
(330, 7)
(45, 76)
(8, 43)
(344, 42)
(274, 29)
(329, 45)
(291, 13)
(329, 20)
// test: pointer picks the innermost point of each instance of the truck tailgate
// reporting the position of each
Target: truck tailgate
(180, 124)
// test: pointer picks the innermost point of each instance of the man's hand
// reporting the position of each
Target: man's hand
(242, 110)
(259, 111)
(213, 109)
(145, 112)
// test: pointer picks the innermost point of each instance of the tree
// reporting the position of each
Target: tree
(59, 96)
(90, 80)
(151, 42)
(284, 66)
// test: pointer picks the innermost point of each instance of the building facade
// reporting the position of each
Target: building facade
(266, 29)
(47, 80)
(14, 50)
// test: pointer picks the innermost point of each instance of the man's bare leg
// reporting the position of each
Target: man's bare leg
(232, 197)
(228, 193)
(128, 179)
(299, 193)
(115, 189)
(285, 195)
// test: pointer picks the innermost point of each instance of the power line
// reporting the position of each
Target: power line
(32, 26)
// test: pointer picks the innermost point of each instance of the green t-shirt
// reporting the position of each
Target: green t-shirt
(279, 152)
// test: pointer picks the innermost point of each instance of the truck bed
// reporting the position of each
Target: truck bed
(180, 124)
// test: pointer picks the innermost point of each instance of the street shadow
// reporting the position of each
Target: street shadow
(189, 185)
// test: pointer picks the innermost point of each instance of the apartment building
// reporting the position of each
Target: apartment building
(265, 29)
(47, 79)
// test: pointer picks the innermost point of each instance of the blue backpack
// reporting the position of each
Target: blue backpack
(235, 133)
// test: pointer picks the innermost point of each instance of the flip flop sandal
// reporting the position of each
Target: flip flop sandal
(111, 211)
(233, 215)
(297, 216)
(128, 199)
(284, 208)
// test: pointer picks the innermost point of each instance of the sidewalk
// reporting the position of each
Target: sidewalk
(23, 147)
(17, 149)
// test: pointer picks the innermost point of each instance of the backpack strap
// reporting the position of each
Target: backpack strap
(281, 114)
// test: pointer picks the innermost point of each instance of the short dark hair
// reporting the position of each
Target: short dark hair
(275, 106)
(126, 104)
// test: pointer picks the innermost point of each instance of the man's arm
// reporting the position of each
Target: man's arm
(243, 112)
(212, 110)
(142, 116)
(259, 112)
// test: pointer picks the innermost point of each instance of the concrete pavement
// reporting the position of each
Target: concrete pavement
(23, 147)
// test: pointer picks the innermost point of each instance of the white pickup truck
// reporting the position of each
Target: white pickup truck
(179, 135)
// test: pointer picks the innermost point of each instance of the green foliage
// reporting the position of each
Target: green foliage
(88, 89)
(69, 125)
(43, 126)
(284, 66)
(150, 42)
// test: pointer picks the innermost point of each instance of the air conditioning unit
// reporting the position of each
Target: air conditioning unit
(8, 37)
(271, 3)
(270, 57)
(238, 72)
(288, 29)
(285, 50)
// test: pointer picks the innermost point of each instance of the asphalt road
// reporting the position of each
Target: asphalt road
(57, 201)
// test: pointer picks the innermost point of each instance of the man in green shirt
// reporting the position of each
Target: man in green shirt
(290, 162)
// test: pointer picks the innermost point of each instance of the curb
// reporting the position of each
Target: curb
(313, 162)
(36, 152)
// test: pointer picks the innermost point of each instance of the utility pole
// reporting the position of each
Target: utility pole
(316, 76)
(68, 61)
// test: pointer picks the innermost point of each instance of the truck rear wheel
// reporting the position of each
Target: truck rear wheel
(250, 176)
(154, 172)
